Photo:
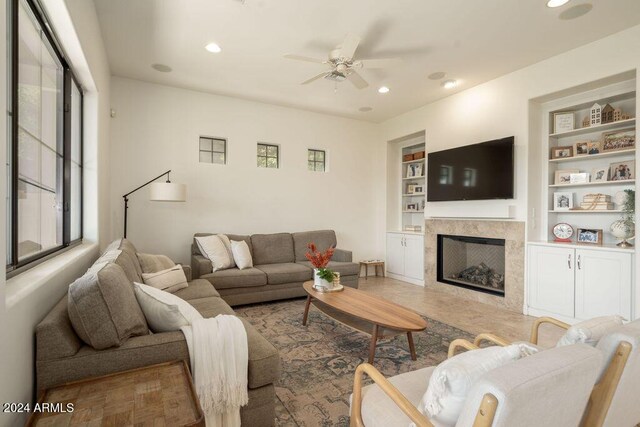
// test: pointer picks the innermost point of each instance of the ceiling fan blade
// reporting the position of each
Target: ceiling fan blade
(357, 80)
(305, 58)
(349, 46)
(314, 78)
(378, 63)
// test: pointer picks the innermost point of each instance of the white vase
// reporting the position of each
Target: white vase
(623, 230)
(319, 282)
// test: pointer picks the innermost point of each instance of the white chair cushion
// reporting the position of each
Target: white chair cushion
(216, 248)
(164, 312)
(453, 378)
(170, 280)
(589, 331)
(241, 254)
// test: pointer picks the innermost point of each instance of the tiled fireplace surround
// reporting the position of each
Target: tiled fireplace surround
(513, 234)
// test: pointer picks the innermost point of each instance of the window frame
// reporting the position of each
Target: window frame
(316, 162)
(213, 138)
(267, 156)
(13, 264)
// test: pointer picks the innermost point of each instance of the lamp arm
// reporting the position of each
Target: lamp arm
(126, 197)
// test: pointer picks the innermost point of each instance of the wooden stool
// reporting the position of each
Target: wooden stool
(375, 264)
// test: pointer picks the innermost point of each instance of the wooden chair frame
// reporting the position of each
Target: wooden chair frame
(484, 417)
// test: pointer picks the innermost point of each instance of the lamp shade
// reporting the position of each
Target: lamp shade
(168, 192)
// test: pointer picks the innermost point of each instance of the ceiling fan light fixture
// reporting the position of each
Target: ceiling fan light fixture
(383, 89)
(450, 84)
(556, 3)
(213, 48)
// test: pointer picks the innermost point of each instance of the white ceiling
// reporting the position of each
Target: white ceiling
(471, 40)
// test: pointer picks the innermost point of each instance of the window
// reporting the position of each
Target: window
(268, 156)
(316, 160)
(45, 155)
(213, 150)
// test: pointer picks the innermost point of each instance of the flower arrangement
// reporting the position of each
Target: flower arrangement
(319, 260)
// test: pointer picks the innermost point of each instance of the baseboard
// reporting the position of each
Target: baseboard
(405, 279)
(542, 313)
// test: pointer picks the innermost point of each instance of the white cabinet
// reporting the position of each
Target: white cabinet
(405, 257)
(579, 283)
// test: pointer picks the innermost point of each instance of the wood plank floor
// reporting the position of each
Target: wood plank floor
(470, 316)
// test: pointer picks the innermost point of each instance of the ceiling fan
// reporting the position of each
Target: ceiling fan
(343, 65)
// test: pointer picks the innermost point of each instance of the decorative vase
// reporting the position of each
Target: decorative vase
(623, 229)
(319, 282)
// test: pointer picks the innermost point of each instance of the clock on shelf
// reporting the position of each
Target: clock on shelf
(562, 232)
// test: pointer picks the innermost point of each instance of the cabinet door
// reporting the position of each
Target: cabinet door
(395, 253)
(414, 257)
(551, 279)
(603, 283)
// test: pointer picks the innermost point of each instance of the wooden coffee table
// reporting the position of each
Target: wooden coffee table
(366, 313)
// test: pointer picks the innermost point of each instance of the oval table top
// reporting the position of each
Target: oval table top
(370, 308)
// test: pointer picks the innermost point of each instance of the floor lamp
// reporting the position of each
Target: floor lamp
(159, 192)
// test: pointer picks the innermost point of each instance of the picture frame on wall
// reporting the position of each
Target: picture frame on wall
(412, 207)
(594, 147)
(581, 148)
(411, 188)
(563, 176)
(599, 175)
(562, 152)
(563, 121)
(589, 236)
(579, 178)
(622, 171)
(562, 201)
(622, 139)
(419, 189)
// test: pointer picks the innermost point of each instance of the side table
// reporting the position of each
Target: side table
(375, 263)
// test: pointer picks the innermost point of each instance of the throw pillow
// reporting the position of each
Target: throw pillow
(103, 308)
(164, 312)
(452, 380)
(590, 331)
(170, 280)
(216, 248)
(241, 254)
(153, 263)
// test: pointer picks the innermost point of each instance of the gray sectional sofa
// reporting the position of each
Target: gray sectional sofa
(62, 356)
(279, 267)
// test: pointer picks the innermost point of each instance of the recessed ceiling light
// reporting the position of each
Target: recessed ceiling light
(383, 89)
(449, 84)
(213, 48)
(161, 67)
(365, 109)
(437, 75)
(576, 11)
(557, 3)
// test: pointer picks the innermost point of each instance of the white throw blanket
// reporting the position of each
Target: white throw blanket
(219, 361)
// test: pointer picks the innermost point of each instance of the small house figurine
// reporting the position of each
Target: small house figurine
(617, 115)
(625, 116)
(586, 122)
(596, 114)
(607, 114)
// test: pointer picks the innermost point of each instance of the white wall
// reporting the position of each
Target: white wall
(500, 108)
(157, 127)
(26, 298)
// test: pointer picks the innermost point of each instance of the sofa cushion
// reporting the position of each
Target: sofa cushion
(272, 248)
(151, 263)
(344, 268)
(217, 248)
(236, 278)
(323, 239)
(264, 359)
(211, 306)
(124, 260)
(195, 250)
(199, 288)
(103, 308)
(170, 280)
(126, 246)
(287, 272)
(164, 311)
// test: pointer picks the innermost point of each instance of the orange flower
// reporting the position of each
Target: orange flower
(319, 259)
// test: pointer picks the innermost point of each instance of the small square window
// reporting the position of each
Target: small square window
(316, 160)
(213, 150)
(268, 156)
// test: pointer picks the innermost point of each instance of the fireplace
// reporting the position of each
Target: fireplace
(475, 263)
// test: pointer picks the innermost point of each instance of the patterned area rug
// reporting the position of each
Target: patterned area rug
(319, 360)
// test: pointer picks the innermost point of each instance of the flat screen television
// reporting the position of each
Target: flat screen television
(474, 172)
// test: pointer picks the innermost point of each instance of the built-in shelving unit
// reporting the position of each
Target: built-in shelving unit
(413, 186)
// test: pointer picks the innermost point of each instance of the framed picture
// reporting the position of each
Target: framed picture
(419, 189)
(581, 148)
(564, 176)
(579, 178)
(619, 140)
(410, 171)
(594, 147)
(562, 201)
(562, 152)
(599, 175)
(411, 188)
(412, 207)
(563, 121)
(590, 236)
(621, 171)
